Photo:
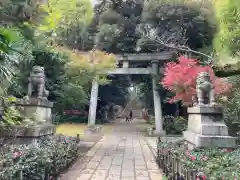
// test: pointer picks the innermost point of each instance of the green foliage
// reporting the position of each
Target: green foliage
(12, 116)
(73, 119)
(116, 22)
(15, 12)
(175, 22)
(66, 22)
(62, 13)
(54, 65)
(13, 50)
(44, 160)
(146, 95)
(8, 38)
(107, 37)
(212, 163)
(226, 42)
(174, 125)
(232, 107)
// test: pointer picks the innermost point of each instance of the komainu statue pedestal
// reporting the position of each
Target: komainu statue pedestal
(40, 110)
(26, 135)
(36, 110)
(206, 128)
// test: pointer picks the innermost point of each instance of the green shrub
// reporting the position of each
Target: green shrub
(231, 106)
(214, 163)
(73, 119)
(174, 125)
(151, 121)
(44, 160)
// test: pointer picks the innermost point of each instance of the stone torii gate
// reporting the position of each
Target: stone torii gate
(155, 63)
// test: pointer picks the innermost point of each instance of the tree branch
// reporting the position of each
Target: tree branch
(225, 71)
(184, 48)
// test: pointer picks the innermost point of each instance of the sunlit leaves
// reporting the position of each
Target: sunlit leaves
(227, 42)
(62, 13)
(94, 60)
(88, 64)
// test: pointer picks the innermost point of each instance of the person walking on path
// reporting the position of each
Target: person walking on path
(130, 115)
(129, 118)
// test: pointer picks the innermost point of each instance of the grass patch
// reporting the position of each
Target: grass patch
(165, 178)
(72, 129)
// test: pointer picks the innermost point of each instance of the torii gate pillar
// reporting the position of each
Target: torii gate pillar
(93, 103)
(157, 102)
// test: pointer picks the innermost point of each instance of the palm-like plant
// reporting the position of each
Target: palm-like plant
(13, 49)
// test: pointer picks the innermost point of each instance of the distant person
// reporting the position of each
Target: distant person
(127, 119)
(130, 116)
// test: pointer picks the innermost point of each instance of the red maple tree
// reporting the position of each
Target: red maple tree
(180, 78)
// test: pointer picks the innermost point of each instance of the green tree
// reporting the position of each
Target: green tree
(16, 12)
(175, 23)
(117, 22)
(82, 68)
(66, 22)
(226, 42)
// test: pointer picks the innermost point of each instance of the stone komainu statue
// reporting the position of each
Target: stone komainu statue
(36, 83)
(205, 89)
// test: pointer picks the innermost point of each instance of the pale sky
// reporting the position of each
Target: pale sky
(94, 2)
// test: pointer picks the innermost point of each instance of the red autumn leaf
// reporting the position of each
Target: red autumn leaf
(180, 78)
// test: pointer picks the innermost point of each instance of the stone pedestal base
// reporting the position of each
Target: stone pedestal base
(36, 107)
(198, 140)
(159, 133)
(206, 128)
(153, 133)
(26, 135)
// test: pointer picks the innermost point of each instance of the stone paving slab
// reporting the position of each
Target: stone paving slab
(121, 155)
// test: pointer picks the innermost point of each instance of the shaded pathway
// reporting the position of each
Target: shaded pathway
(121, 155)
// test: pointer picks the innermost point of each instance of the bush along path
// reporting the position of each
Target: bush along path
(198, 164)
(44, 160)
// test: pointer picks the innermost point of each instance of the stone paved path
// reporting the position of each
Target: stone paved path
(121, 155)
